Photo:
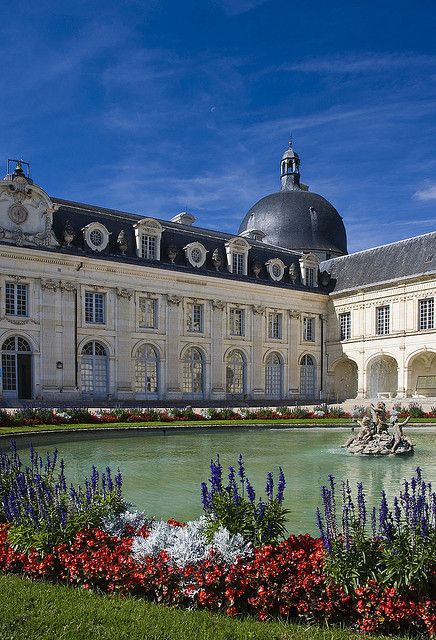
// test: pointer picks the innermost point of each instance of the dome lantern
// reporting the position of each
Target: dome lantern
(290, 169)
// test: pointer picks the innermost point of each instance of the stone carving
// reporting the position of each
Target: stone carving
(257, 268)
(218, 304)
(69, 233)
(122, 242)
(258, 308)
(124, 293)
(18, 213)
(49, 284)
(294, 314)
(217, 259)
(374, 437)
(65, 285)
(172, 253)
(293, 273)
(172, 299)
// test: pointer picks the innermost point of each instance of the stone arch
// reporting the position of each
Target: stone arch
(345, 379)
(421, 374)
(17, 367)
(382, 376)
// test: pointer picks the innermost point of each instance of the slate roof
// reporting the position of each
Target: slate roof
(174, 235)
(298, 220)
(388, 263)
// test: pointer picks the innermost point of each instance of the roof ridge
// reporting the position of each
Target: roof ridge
(381, 246)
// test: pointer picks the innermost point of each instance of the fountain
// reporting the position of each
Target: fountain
(374, 438)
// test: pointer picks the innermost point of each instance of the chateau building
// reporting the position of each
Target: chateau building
(101, 306)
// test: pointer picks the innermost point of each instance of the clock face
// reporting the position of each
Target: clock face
(18, 213)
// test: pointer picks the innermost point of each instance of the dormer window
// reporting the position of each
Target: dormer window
(195, 254)
(309, 264)
(237, 256)
(276, 269)
(96, 236)
(254, 234)
(148, 233)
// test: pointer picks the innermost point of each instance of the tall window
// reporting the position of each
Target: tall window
(307, 376)
(275, 325)
(382, 320)
(148, 313)
(310, 277)
(235, 373)
(94, 369)
(17, 299)
(146, 374)
(95, 307)
(238, 263)
(345, 325)
(426, 314)
(193, 372)
(273, 376)
(236, 322)
(194, 318)
(309, 329)
(16, 365)
(148, 247)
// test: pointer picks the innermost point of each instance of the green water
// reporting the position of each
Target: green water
(162, 473)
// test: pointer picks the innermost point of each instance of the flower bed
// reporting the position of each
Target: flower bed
(232, 559)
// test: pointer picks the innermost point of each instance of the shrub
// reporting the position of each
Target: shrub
(235, 507)
(414, 410)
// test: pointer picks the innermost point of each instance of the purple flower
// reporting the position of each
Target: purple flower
(281, 486)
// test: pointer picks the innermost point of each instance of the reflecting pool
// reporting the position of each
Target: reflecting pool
(162, 473)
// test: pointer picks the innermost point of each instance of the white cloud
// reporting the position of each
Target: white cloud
(426, 194)
(369, 62)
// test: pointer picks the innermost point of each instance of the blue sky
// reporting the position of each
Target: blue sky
(155, 106)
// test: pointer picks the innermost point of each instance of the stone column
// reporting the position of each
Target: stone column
(218, 391)
(124, 329)
(173, 347)
(257, 364)
(294, 341)
(361, 375)
(50, 379)
(69, 339)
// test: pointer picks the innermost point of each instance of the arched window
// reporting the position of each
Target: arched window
(17, 367)
(193, 372)
(307, 377)
(147, 371)
(235, 373)
(273, 376)
(94, 369)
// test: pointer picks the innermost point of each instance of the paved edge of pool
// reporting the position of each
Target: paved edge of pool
(189, 427)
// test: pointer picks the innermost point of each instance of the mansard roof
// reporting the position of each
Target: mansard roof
(175, 236)
(413, 257)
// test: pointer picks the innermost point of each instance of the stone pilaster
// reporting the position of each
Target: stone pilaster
(257, 364)
(173, 347)
(294, 341)
(68, 342)
(49, 374)
(218, 390)
(123, 344)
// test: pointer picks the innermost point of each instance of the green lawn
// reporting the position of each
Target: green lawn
(314, 422)
(32, 610)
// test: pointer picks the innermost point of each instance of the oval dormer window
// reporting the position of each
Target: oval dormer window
(96, 236)
(276, 269)
(195, 254)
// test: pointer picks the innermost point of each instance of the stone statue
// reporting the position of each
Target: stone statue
(374, 437)
(122, 242)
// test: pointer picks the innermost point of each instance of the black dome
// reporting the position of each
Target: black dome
(299, 220)
(295, 218)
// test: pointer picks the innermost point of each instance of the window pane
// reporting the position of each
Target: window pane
(238, 263)
(16, 299)
(275, 325)
(309, 329)
(94, 307)
(195, 318)
(236, 322)
(345, 325)
(382, 320)
(426, 314)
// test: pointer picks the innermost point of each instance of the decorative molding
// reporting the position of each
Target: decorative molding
(293, 313)
(49, 284)
(173, 299)
(66, 285)
(124, 293)
(19, 320)
(218, 304)
(258, 309)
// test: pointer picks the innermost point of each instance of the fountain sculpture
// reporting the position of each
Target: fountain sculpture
(374, 437)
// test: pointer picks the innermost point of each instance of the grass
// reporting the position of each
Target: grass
(34, 610)
(296, 422)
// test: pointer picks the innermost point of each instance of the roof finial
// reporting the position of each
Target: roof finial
(290, 140)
